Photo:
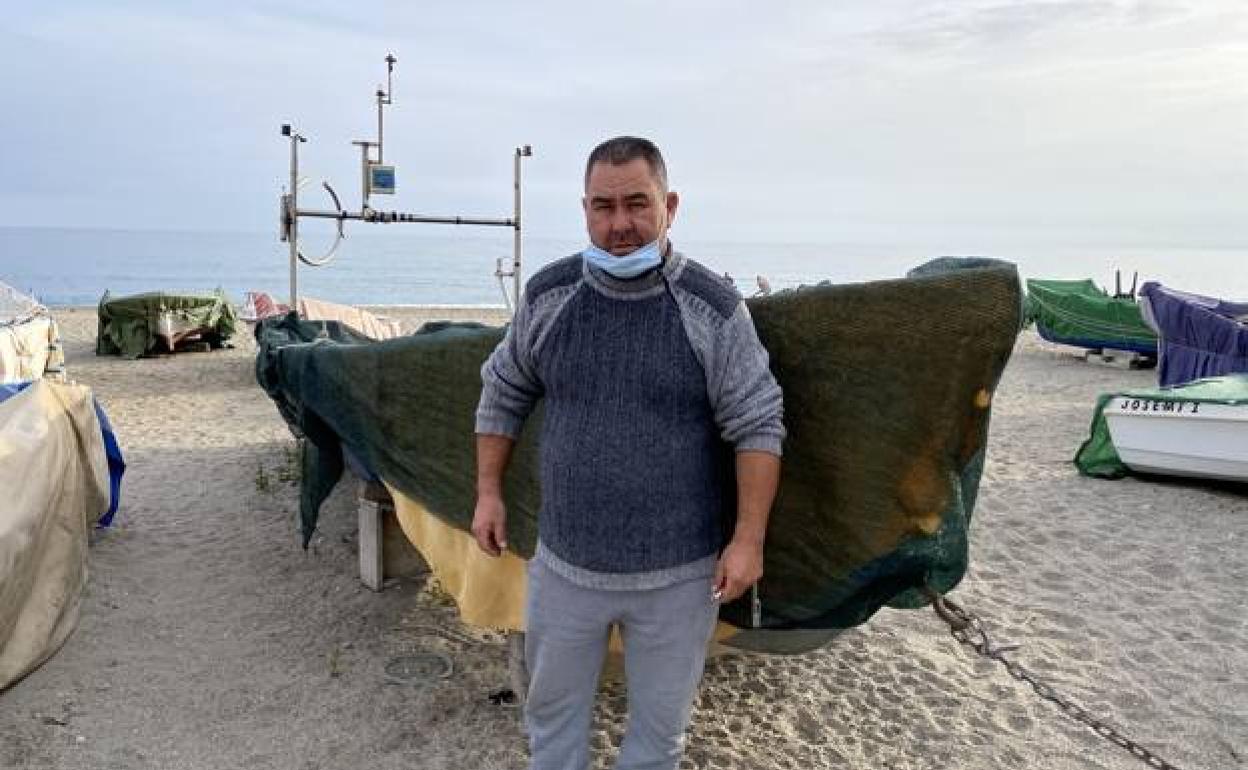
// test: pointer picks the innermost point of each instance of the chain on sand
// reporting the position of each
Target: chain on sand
(970, 631)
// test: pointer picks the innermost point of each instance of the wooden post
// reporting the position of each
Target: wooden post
(372, 498)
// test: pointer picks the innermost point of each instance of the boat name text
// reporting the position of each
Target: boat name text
(1149, 405)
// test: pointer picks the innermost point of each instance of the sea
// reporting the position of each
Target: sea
(451, 266)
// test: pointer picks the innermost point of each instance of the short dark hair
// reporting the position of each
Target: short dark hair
(625, 149)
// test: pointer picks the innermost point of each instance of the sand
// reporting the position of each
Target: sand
(210, 639)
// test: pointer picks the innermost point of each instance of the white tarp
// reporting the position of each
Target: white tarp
(53, 488)
(364, 322)
(30, 343)
(16, 307)
(31, 350)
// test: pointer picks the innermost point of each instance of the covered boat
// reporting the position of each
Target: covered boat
(141, 324)
(30, 342)
(1198, 429)
(1081, 314)
(260, 305)
(52, 449)
(882, 461)
(1199, 336)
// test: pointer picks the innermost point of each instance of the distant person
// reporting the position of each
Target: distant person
(650, 367)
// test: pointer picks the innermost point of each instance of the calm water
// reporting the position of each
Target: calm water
(455, 267)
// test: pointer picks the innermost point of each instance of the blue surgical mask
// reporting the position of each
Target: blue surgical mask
(630, 265)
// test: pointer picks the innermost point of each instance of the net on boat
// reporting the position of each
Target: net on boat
(888, 390)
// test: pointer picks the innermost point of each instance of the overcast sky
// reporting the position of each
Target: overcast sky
(1115, 122)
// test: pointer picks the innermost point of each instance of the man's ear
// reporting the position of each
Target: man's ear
(673, 202)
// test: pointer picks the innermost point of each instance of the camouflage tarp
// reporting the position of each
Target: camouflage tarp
(138, 324)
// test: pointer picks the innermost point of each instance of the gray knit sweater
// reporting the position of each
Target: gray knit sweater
(646, 384)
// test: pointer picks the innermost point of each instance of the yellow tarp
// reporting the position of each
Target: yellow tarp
(53, 487)
(490, 592)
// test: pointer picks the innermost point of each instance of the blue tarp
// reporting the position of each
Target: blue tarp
(1199, 336)
(116, 464)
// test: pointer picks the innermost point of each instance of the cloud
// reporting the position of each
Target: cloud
(977, 27)
(798, 116)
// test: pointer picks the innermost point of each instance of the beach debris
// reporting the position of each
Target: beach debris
(419, 668)
(262, 480)
(291, 469)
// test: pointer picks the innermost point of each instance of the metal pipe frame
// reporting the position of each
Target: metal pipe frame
(291, 211)
(386, 217)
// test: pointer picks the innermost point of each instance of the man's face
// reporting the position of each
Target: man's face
(626, 208)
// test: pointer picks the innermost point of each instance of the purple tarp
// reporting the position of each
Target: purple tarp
(1199, 336)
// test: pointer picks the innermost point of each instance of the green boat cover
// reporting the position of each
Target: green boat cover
(887, 389)
(1031, 306)
(131, 326)
(1097, 456)
(1080, 313)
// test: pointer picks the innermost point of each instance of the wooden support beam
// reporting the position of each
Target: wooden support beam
(372, 566)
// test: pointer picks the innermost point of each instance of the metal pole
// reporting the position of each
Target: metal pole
(385, 98)
(294, 220)
(373, 215)
(363, 175)
(515, 248)
(521, 152)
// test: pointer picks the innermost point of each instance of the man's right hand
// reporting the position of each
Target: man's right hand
(489, 524)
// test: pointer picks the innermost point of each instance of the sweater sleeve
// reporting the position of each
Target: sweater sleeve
(747, 400)
(510, 386)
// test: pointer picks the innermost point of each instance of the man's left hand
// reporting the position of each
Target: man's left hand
(740, 566)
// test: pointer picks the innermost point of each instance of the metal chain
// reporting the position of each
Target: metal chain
(970, 631)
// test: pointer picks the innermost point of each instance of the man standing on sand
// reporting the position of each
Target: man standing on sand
(649, 366)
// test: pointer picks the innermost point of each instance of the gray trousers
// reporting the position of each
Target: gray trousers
(665, 633)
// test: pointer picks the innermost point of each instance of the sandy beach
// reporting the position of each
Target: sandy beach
(209, 639)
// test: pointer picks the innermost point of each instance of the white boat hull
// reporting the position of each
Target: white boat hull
(1182, 438)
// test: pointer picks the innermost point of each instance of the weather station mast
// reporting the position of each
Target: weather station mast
(377, 178)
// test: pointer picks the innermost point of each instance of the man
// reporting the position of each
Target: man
(649, 365)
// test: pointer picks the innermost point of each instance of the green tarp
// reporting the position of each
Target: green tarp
(1097, 456)
(1079, 313)
(1086, 287)
(887, 399)
(138, 324)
